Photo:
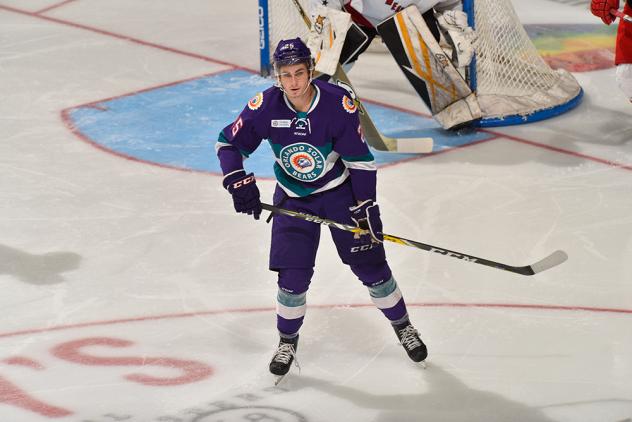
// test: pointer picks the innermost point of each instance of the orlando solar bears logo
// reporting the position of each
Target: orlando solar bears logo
(255, 102)
(302, 161)
(349, 105)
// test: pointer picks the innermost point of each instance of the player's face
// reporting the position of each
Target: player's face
(294, 79)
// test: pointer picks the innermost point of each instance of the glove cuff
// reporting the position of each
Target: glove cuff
(233, 177)
(361, 205)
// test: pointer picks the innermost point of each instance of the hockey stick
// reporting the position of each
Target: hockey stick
(621, 15)
(553, 260)
(373, 136)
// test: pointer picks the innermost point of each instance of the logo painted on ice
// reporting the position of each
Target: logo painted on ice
(256, 101)
(302, 161)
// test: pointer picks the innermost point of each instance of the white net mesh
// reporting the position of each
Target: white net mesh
(286, 22)
(511, 77)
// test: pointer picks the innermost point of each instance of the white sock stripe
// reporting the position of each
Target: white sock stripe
(388, 301)
(290, 312)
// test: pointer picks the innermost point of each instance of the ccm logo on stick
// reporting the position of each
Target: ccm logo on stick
(456, 255)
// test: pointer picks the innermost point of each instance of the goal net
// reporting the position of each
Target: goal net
(513, 84)
(278, 20)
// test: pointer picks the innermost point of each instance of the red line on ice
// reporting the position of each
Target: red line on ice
(607, 162)
(54, 6)
(123, 37)
(589, 309)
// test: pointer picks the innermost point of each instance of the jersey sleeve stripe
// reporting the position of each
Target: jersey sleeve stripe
(360, 165)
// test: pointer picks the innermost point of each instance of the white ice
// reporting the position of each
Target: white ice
(133, 292)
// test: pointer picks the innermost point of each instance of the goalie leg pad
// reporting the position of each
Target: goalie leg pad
(326, 38)
(428, 69)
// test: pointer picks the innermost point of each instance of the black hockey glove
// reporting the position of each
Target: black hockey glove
(367, 216)
(243, 188)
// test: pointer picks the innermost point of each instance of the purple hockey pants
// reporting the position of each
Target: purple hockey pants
(293, 253)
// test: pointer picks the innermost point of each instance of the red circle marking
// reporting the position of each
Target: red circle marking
(357, 305)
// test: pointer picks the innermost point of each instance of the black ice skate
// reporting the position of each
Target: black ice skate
(283, 357)
(409, 338)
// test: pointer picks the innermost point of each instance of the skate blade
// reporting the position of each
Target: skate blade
(278, 379)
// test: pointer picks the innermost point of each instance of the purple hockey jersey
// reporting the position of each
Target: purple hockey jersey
(314, 151)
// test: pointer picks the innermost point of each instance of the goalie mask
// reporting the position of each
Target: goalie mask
(290, 52)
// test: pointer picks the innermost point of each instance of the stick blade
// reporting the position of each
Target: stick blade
(415, 145)
(553, 260)
(400, 145)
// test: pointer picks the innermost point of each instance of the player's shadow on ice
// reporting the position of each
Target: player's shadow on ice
(577, 132)
(447, 400)
(37, 269)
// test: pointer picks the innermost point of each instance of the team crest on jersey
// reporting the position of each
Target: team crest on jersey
(349, 105)
(255, 102)
(302, 161)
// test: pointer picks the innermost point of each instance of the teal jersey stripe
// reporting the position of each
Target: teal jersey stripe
(296, 186)
(222, 138)
(291, 184)
(367, 157)
(324, 149)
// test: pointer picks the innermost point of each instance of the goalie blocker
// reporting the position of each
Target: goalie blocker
(428, 69)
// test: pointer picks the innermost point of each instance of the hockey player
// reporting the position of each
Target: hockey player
(623, 55)
(411, 29)
(324, 167)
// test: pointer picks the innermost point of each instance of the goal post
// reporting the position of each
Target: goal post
(264, 37)
(278, 19)
(512, 82)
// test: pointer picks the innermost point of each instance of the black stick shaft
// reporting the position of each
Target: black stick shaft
(552, 260)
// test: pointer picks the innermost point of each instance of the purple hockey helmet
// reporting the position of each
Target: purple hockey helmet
(290, 52)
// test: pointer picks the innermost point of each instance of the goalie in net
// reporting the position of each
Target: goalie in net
(491, 76)
(412, 35)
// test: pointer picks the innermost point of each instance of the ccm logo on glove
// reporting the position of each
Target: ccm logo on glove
(243, 182)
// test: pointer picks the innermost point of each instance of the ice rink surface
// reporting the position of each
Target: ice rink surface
(131, 291)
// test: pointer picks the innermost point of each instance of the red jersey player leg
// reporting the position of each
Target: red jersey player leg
(623, 57)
